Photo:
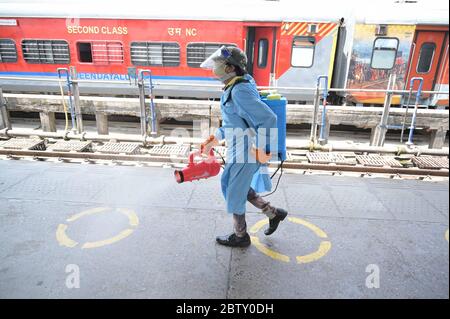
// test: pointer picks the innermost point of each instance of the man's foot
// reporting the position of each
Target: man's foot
(234, 241)
(274, 222)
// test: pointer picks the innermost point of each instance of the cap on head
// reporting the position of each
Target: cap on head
(237, 58)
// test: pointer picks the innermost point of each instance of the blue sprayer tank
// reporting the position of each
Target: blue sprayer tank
(277, 104)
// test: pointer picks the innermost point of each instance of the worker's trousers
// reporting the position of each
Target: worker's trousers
(240, 225)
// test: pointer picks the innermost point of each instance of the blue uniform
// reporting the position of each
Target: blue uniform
(242, 111)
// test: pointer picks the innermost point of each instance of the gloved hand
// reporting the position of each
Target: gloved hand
(261, 155)
(209, 143)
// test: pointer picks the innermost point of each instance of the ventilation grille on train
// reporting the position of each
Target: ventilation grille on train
(8, 51)
(46, 51)
(155, 53)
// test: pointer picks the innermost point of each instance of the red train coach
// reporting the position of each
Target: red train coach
(107, 42)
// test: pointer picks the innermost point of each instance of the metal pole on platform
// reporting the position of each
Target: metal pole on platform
(406, 113)
(61, 72)
(142, 107)
(323, 139)
(416, 106)
(151, 119)
(381, 129)
(152, 110)
(312, 137)
(76, 99)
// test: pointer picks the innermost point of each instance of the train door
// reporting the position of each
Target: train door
(260, 53)
(426, 58)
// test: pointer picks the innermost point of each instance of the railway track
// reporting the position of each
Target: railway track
(359, 162)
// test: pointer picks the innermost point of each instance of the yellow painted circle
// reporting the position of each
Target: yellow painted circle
(64, 240)
(323, 249)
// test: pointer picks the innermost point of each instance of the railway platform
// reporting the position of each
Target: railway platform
(115, 231)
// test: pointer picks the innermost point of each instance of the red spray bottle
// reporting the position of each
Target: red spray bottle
(195, 171)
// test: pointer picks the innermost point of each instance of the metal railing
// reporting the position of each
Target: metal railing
(148, 114)
(220, 86)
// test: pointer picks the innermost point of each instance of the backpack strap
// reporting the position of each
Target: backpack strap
(228, 98)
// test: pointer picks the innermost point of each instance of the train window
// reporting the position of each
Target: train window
(313, 28)
(8, 51)
(199, 52)
(426, 57)
(155, 54)
(381, 29)
(100, 52)
(84, 52)
(46, 51)
(263, 49)
(303, 51)
(384, 53)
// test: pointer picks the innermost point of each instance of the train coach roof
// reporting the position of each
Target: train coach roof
(227, 10)
(379, 12)
(396, 13)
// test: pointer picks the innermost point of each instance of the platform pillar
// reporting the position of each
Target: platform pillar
(4, 113)
(437, 138)
(326, 131)
(102, 123)
(48, 122)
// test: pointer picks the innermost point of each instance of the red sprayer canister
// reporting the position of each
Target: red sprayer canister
(194, 171)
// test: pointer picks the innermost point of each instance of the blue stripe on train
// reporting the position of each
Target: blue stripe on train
(102, 76)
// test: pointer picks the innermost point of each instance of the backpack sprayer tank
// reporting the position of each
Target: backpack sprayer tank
(277, 104)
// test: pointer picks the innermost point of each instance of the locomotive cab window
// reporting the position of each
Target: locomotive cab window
(155, 54)
(199, 52)
(303, 52)
(100, 52)
(426, 57)
(384, 53)
(263, 49)
(8, 51)
(46, 51)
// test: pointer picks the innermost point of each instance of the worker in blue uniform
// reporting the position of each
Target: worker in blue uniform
(248, 127)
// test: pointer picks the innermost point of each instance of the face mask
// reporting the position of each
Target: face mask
(221, 74)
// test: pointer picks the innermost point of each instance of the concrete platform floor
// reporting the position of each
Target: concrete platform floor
(94, 231)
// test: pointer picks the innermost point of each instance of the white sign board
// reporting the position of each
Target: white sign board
(10, 22)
